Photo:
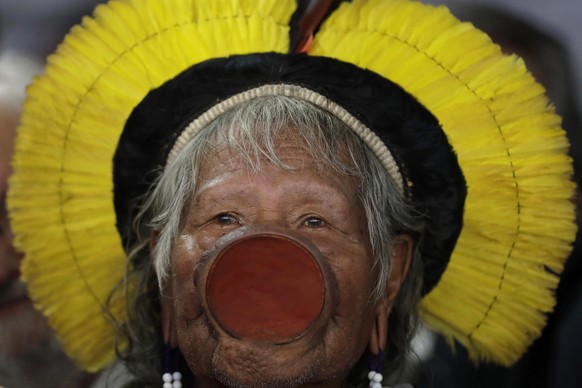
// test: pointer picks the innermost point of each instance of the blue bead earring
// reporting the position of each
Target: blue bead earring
(376, 365)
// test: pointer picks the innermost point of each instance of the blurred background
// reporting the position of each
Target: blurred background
(547, 33)
(559, 19)
(37, 26)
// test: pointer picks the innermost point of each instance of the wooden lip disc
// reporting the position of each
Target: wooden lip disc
(265, 288)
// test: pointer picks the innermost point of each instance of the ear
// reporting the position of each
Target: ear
(401, 258)
(166, 300)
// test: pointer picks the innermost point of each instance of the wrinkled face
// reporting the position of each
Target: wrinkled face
(319, 205)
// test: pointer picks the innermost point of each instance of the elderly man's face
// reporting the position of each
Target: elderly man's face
(321, 206)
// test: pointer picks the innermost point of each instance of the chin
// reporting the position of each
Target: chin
(239, 364)
(248, 379)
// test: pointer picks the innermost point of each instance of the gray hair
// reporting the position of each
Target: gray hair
(253, 129)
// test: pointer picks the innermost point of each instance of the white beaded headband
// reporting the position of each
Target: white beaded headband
(365, 133)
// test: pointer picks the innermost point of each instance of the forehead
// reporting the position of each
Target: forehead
(262, 143)
(294, 165)
(286, 157)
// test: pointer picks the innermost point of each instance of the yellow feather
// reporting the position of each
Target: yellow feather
(518, 213)
(73, 118)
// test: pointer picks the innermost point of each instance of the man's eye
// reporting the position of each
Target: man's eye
(226, 219)
(314, 222)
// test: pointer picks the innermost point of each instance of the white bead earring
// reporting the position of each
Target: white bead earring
(172, 378)
(375, 374)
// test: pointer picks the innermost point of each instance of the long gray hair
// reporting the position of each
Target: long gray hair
(253, 129)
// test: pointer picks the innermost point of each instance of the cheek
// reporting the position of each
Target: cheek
(352, 265)
(185, 258)
(197, 346)
(354, 315)
(355, 288)
(196, 342)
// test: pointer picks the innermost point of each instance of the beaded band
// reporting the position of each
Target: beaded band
(365, 133)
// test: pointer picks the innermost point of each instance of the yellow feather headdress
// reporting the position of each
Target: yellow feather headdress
(518, 218)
